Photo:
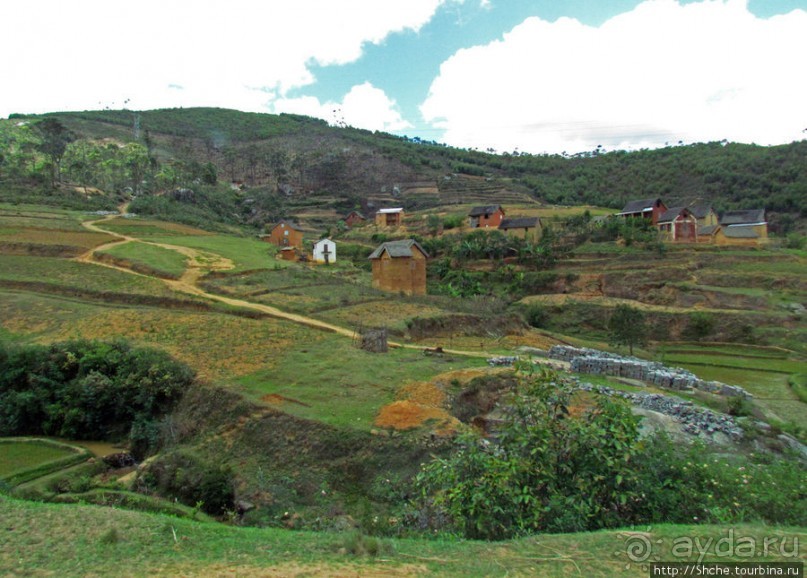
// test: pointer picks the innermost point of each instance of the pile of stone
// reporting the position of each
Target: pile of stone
(504, 361)
(695, 420)
(594, 362)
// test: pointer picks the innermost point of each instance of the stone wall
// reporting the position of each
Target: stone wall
(592, 361)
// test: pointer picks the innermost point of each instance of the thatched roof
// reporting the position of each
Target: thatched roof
(398, 249)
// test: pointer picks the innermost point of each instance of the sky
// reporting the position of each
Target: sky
(529, 76)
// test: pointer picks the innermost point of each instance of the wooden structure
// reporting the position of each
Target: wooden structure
(324, 251)
(389, 217)
(528, 228)
(354, 218)
(400, 267)
(285, 234)
(678, 225)
(650, 209)
(487, 216)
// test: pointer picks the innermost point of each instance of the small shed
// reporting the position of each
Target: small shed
(285, 234)
(528, 228)
(389, 217)
(324, 251)
(485, 216)
(354, 218)
(400, 267)
(650, 209)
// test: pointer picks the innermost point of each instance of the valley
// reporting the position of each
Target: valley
(291, 449)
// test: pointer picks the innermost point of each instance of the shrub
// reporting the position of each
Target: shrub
(536, 316)
(89, 390)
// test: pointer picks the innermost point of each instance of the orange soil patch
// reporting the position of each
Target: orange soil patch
(402, 415)
(422, 392)
(277, 399)
(418, 402)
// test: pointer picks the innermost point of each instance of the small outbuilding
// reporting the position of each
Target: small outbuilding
(389, 217)
(400, 267)
(486, 216)
(354, 218)
(324, 251)
(528, 228)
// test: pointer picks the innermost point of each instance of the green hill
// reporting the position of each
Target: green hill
(285, 163)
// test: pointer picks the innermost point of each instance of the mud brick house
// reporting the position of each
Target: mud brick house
(742, 228)
(704, 213)
(354, 218)
(488, 216)
(678, 225)
(389, 217)
(324, 251)
(400, 267)
(285, 234)
(528, 228)
(650, 209)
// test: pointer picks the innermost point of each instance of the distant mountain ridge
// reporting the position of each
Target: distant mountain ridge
(282, 157)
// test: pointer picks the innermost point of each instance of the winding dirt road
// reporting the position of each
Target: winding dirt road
(200, 263)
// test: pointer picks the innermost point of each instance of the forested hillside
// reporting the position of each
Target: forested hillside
(182, 162)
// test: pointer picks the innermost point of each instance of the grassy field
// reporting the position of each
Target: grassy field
(764, 372)
(19, 455)
(338, 384)
(245, 253)
(24, 459)
(82, 540)
(149, 259)
(71, 277)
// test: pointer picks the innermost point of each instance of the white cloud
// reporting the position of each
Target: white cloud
(660, 73)
(364, 106)
(67, 55)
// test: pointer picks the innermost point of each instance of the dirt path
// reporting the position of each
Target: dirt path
(200, 262)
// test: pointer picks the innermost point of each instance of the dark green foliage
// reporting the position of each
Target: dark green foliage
(543, 463)
(700, 326)
(536, 316)
(688, 484)
(89, 390)
(549, 469)
(194, 481)
(627, 326)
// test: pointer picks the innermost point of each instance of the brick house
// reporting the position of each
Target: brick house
(400, 267)
(650, 209)
(389, 217)
(679, 225)
(285, 234)
(354, 218)
(487, 216)
(528, 228)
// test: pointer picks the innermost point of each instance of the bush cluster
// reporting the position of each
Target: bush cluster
(89, 390)
(554, 468)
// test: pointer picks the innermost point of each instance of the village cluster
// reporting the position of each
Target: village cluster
(400, 266)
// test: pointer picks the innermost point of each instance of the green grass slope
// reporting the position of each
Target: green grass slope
(78, 540)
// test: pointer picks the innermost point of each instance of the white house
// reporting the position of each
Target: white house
(325, 251)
